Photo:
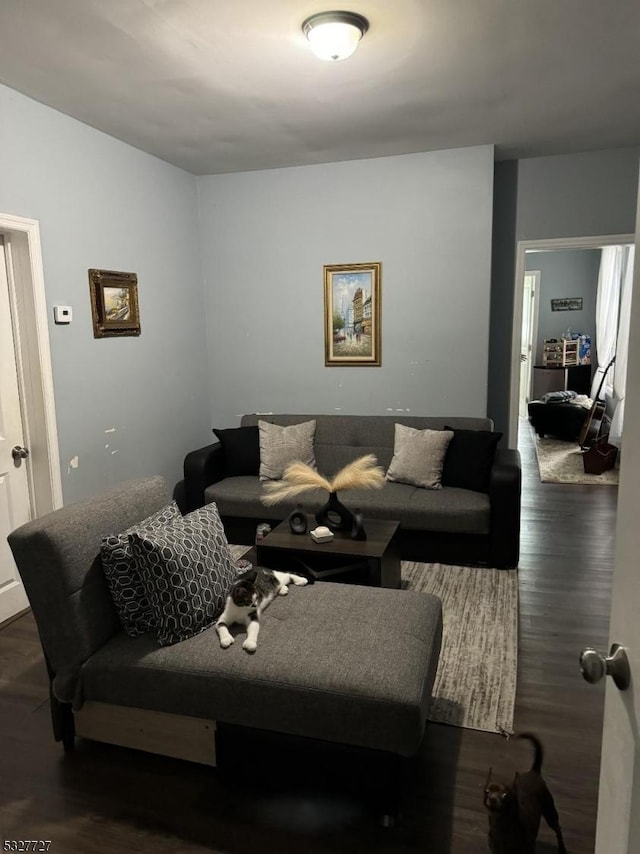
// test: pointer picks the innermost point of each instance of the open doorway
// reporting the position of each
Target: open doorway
(30, 483)
(531, 256)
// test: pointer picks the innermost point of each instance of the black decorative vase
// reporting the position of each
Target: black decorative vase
(357, 531)
(298, 521)
(335, 515)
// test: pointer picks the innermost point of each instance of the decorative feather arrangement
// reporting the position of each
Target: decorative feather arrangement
(363, 473)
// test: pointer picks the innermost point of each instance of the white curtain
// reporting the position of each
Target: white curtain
(622, 350)
(607, 313)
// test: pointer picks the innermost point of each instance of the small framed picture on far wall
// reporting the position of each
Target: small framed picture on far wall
(567, 304)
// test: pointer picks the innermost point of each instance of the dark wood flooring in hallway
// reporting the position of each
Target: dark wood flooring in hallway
(106, 800)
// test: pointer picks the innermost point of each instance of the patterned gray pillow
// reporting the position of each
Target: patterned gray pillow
(418, 456)
(187, 569)
(280, 446)
(123, 577)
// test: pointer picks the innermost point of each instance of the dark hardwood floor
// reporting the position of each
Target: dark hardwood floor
(103, 799)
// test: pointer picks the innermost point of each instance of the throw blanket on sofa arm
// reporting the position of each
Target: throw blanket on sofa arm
(559, 396)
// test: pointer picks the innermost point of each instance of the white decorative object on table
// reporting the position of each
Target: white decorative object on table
(321, 534)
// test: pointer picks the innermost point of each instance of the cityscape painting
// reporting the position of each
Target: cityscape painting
(352, 314)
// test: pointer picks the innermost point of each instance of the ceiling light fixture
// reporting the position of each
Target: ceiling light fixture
(334, 35)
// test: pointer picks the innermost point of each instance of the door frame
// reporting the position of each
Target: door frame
(594, 242)
(25, 275)
(534, 332)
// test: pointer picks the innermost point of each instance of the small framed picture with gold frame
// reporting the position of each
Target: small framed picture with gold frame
(114, 303)
(352, 314)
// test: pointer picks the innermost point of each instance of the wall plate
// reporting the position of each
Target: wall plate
(62, 313)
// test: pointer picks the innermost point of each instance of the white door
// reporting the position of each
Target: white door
(529, 334)
(619, 795)
(15, 503)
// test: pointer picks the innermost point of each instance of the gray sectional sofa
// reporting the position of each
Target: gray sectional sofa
(449, 525)
(318, 673)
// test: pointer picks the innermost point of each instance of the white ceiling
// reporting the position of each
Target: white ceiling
(230, 85)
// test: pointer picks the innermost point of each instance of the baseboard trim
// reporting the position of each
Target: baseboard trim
(13, 618)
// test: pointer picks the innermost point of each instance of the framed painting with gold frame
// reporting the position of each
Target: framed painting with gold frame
(352, 330)
(114, 303)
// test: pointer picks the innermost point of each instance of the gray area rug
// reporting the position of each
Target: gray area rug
(475, 685)
(561, 462)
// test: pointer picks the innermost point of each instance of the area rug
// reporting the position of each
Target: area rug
(561, 462)
(475, 685)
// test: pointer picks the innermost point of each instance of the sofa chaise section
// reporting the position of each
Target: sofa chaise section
(371, 689)
(335, 663)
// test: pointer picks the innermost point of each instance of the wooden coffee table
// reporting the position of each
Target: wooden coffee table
(374, 561)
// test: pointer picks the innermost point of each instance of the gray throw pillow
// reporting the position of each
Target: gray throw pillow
(418, 456)
(188, 570)
(280, 446)
(122, 573)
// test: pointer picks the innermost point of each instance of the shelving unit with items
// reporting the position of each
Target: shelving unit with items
(560, 352)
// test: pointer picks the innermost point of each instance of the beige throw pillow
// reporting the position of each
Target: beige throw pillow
(280, 446)
(418, 456)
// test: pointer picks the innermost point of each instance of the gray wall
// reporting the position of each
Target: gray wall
(573, 195)
(125, 407)
(577, 195)
(565, 273)
(265, 238)
(503, 249)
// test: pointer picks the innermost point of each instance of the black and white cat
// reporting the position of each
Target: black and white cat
(248, 598)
